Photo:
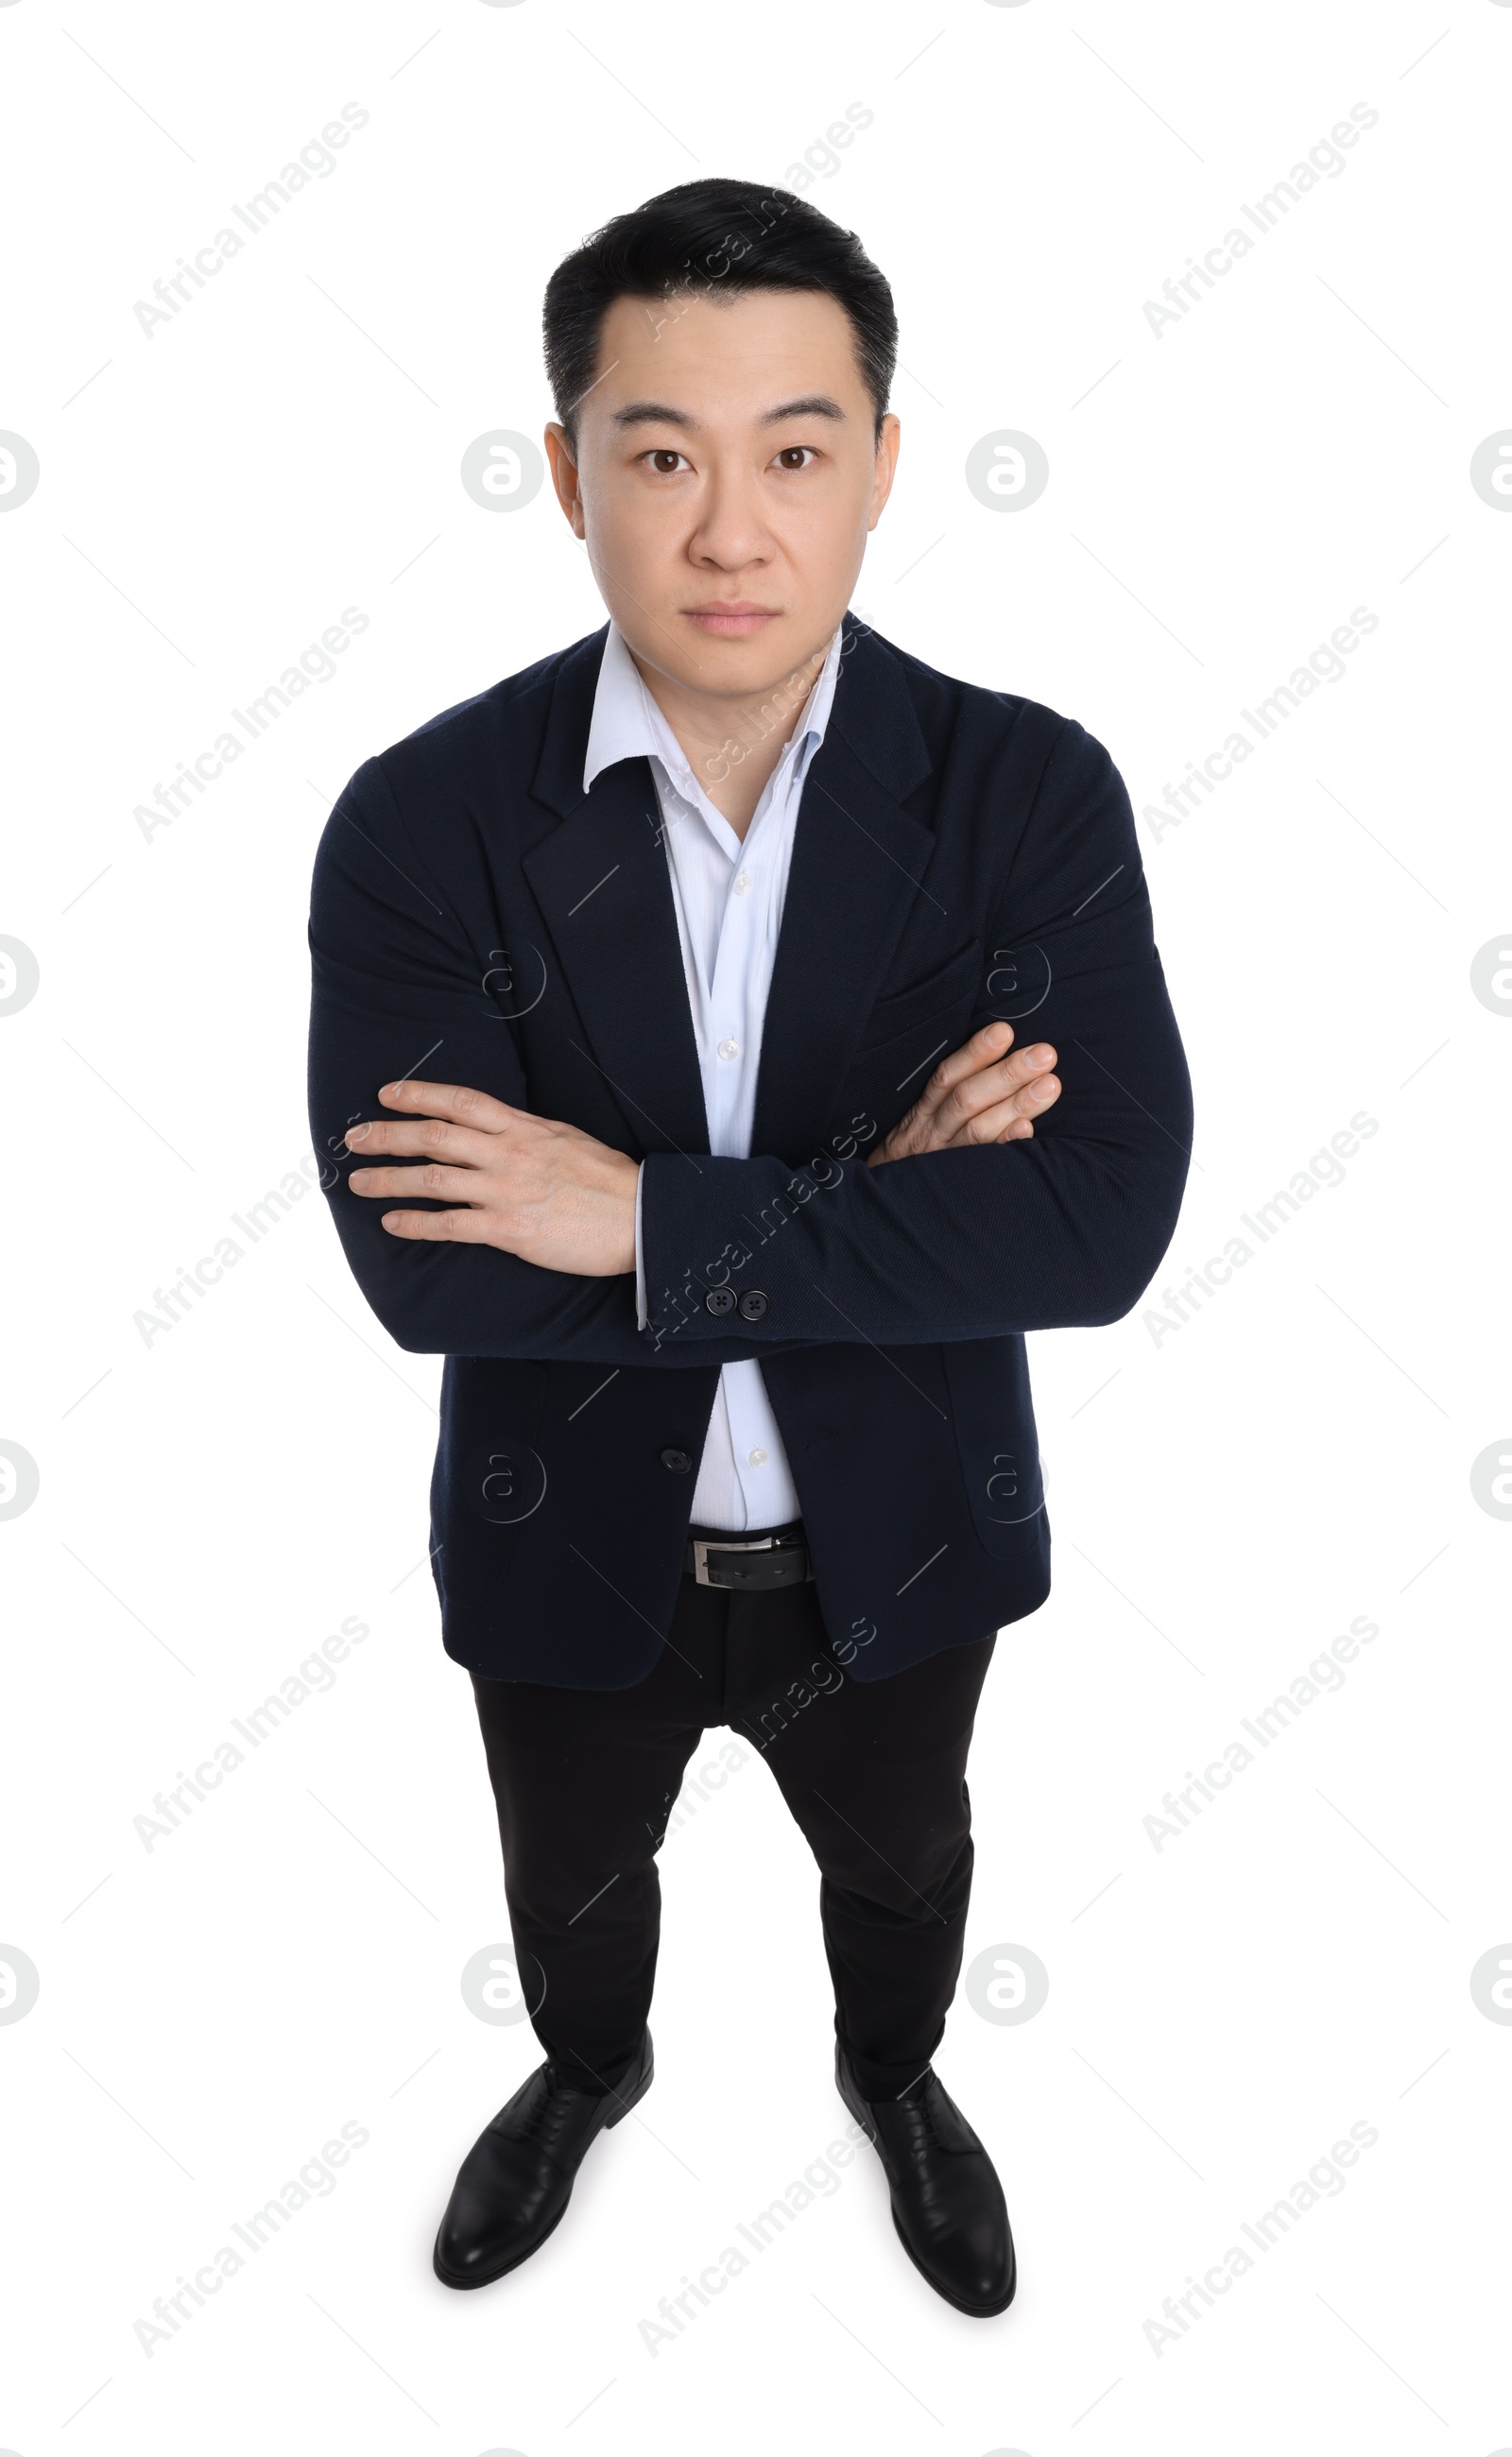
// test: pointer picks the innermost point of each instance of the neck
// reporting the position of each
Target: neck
(732, 741)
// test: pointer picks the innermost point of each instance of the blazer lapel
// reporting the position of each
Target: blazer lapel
(602, 882)
(858, 864)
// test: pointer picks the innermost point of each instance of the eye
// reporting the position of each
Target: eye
(659, 456)
(790, 456)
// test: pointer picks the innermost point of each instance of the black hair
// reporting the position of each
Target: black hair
(712, 238)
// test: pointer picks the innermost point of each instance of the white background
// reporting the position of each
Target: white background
(1224, 1500)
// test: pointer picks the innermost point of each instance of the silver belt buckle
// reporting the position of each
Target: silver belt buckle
(701, 1555)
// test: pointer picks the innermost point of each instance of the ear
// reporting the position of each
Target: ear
(887, 444)
(564, 474)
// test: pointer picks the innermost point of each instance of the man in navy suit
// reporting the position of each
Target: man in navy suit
(651, 954)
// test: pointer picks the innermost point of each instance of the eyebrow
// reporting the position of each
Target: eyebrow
(659, 413)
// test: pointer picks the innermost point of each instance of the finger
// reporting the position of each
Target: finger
(430, 1179)
(1026, 1094)
(994, 1081)
(438, 1227)
(1008, 1120)
(983, 1049)
(973, 1075)
(990, 1087)
(423, 1135)
(464, 1106)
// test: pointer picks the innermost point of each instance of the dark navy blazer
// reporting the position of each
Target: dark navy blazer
(476, 918)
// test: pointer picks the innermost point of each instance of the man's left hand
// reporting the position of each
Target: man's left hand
(530, 1186)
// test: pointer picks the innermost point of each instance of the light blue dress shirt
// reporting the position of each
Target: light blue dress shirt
(728, 893)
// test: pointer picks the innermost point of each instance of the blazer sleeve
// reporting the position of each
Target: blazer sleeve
(1066, 1228)
(396, 990)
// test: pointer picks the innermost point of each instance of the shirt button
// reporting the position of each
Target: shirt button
(729, 1050)
(757, 1457)
(743, 882)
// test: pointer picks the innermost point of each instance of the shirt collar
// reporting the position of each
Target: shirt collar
(626, 723)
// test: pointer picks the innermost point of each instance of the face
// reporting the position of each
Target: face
(726, 479)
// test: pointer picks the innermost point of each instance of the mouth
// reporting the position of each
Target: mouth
(734, 618)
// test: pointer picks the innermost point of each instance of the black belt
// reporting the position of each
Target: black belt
(778, 1558)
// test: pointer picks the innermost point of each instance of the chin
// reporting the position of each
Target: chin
(755, 662)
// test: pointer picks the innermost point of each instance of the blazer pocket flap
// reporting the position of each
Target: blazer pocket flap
(917, 1001)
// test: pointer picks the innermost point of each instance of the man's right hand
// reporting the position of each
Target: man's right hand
(982, 1093)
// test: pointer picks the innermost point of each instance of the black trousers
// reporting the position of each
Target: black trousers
(874, 1772)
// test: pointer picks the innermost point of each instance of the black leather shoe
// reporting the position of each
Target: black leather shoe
(947, 2203)
(517, 2178)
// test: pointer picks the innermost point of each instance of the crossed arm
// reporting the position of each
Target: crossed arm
(1030, 1198)
(560, 1199)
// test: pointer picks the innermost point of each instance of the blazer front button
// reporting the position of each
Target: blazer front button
(753, 1304)
(678, 1461)
(719, 1301)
